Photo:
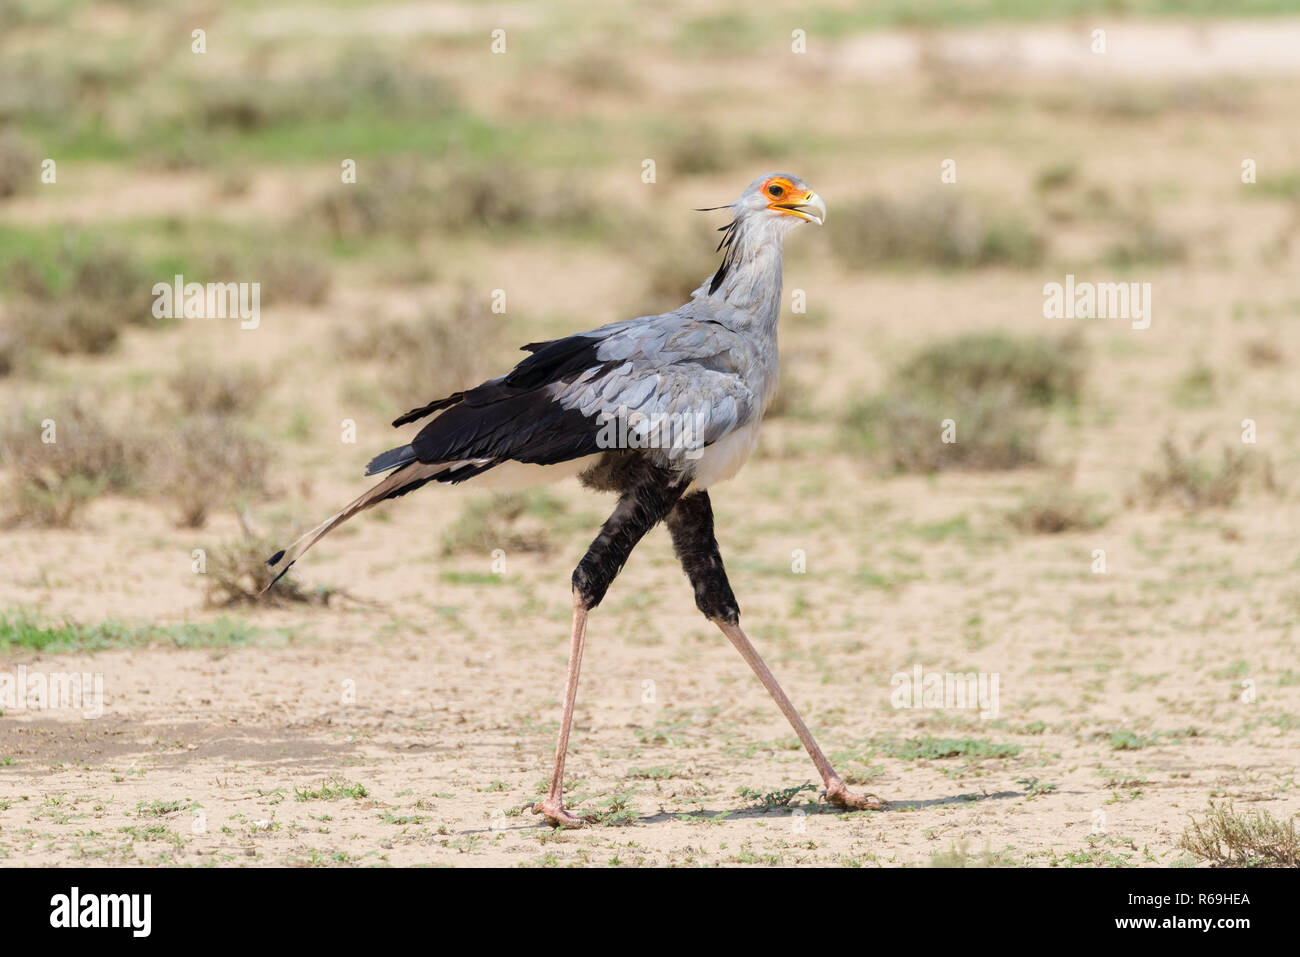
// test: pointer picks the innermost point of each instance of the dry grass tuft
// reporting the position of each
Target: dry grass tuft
(15, 356)
(1194, 481)
(237, 574)
(1226, 838)
(992, 431)
(200, 462)
(1056, 508)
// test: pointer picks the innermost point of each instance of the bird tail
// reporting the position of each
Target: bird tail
(393, 458)
(407, 478)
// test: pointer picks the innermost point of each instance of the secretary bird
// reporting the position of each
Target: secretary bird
(708, 367)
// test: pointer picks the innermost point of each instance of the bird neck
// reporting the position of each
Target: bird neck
(749, 278)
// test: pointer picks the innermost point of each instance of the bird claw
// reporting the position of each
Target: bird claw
(556, 815)
(837, 793)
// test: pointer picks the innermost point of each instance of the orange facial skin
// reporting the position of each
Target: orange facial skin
(784, 197)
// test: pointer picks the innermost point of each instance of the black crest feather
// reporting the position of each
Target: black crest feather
(727, 246)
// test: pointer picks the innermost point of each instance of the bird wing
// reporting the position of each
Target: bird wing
(681, 370)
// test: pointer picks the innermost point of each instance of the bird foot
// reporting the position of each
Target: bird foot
(556, 815)
(837, 793)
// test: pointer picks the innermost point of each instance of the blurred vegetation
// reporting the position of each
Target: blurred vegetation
(1054, 508)
(61, 458)
(514, 522)
(992, 387)
(71, 290)
(51, 481)
(956, 13)
(452, 345)
(934, 229)
(200, 388)
(18, 166)
(1040, 371)
(204, 462)
(68, 292)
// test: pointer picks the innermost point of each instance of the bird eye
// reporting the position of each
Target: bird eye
(775, 190)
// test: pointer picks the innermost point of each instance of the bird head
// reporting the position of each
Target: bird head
(771, 206)
(782, 198)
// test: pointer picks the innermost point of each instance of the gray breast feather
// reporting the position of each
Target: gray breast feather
(674, 372)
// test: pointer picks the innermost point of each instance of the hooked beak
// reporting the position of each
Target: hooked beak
(811, 209)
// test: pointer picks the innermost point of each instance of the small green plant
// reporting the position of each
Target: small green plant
(657, 773)
(1035, 788)
(1125, 740)
(163, 808)
(614, 811)
(332, 790)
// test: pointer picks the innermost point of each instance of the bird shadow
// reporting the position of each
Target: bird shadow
(740, 814)
(752, 812)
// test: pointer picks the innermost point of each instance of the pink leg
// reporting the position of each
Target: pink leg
(836, 790)
(552, 808)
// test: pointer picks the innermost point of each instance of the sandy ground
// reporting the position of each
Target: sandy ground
(450, 735)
